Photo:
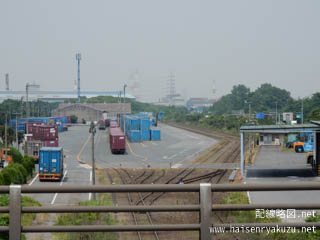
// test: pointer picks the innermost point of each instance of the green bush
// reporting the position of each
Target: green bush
(7, 176)
(16, 155)
(17, 175)
(1, 180)
(28, 163)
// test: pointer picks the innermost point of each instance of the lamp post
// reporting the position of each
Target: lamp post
(124, 93)
(276, 113)
(92, 130)
(249, 103)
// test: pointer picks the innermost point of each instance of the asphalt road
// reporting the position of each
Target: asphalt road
(274, 166)
(176, 146)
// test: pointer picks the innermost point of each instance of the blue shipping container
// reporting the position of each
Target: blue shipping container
(145, 123)
(134, 136)
(134, 123)
(145, 135)
(155, 134)
(51, 163)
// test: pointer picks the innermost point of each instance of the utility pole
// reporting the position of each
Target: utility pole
(27, 101)
(17, 141)
(276, 113)
(93, 131)
(249, 103)
(78, 58)
(123, 110)
(6, 137)
(124, 93)
(302, 112)
(21, 105)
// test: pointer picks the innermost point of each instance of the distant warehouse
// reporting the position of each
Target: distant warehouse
(55, 96)
(92, 111)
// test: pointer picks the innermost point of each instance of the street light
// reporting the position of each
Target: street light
(249, 109)
(124, 93)
(92, 130)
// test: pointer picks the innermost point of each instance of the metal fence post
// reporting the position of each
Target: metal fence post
(15, 213)
(205, 210)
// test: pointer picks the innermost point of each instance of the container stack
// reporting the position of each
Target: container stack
(40, 132)
(138, 127)
(60, 122)
(46, 134)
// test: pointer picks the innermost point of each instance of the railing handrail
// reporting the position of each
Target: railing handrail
(205, 207)
(124, 188)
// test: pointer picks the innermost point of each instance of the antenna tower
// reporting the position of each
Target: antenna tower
(78, 58)
(7, 81)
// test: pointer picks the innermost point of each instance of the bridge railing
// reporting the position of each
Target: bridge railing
(205, 207)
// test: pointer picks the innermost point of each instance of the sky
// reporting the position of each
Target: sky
(205, 44)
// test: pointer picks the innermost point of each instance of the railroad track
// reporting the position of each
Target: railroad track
(130, 197)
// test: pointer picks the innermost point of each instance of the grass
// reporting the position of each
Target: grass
(26, 219)
(250, 217)
(73, 219)
(69, 219)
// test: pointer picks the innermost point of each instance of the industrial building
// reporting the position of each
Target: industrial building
(92, 111)
(56, 96)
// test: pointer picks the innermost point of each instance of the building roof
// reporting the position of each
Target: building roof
(280, 128)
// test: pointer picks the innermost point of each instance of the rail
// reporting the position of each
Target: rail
(205, 207)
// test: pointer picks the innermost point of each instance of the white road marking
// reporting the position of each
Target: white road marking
(200, 142)
(165, 157)
(248, 194)
(153, 143)
(85, 166)
(55, 196)
(33, 179)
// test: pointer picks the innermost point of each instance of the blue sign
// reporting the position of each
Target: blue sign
(259, 115)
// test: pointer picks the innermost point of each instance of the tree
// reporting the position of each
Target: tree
(74, 119)
(315, 114)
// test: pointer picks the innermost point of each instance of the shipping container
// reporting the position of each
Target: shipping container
(155, 134)
(117, 140)
(48, 133)
(107, 121)
(133, 123)
(114, 124)
(32, 149)
(102, 124)
(145, 135)
(68, 119)
(145, 123)
(51, 143)
(134, 135)
(51, 163)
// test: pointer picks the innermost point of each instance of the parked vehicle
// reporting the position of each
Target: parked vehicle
(102, 125)
(309, 157)
(51, 163)
(114, 124)
(304, 146)
(117, 140)
(32, 149)
(3, 153)
(107, 121)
